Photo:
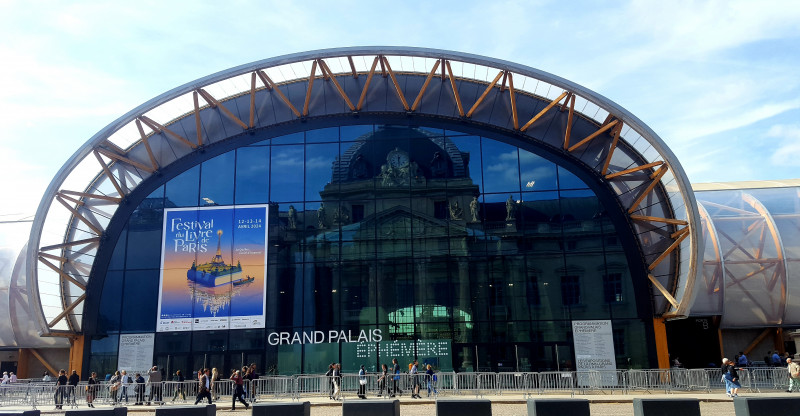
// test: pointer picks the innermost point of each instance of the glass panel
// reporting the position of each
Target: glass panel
(182, 190)
(287, 182)
(138, 301)
(252, 175)
(536, 172)
(319, 161)
(216, 180)
(500, 167)
(568, 180)
(108, 319)
(330, 134)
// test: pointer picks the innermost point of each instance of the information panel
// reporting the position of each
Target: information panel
(213, 268)
(136, 353)
(594, 352)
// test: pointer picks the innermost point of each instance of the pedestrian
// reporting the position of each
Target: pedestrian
(329, 375)
(395, 378)
(138, 389)
(91, 389)
(180, 390)
(794, 375)
(113, 386)
(12, 378)
(125, 381)
(156, 389)
(414, 381)
(430, 377)
(214, 386)
(203, 390)
(776, 359)
(337, 377)
(72, 388)
(362, 383)
(46, 377)
(238, 389)
(382, 380)
(743, 361)
(61, 386)
(5, 378)
(732, 376)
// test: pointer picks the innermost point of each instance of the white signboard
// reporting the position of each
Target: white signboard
(136, 353)
(594, 353)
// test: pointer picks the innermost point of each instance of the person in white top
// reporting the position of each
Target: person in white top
(13, 378)
(5, 378)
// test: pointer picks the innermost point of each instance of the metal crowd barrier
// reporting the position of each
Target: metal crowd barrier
(527, 384)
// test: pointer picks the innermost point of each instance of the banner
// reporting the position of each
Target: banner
(213, 268)
(136, 353)
(594, 353)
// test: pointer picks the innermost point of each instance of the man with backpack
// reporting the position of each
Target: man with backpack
(794, 375)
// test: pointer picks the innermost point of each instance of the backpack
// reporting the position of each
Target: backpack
(794, 370)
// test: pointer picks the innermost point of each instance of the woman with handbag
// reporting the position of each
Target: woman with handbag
(113, 386)
(382, 380)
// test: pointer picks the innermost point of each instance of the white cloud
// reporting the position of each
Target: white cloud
(787, 150)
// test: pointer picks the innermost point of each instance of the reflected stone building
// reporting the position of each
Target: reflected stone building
(421, 204)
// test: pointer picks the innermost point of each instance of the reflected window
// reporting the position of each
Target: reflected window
(612, 287)
(570, 290)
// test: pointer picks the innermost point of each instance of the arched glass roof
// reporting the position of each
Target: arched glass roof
(637, 166)
(752, 253)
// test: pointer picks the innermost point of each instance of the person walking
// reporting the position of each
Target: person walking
(156, 389)
(61, 387)
(430, 378)
(214, 387)
(382, 380)
(362, 383)
(337, 380)
(329, 375)
(125, 381)
(203, 390)
(414, 381)
(732, 376)
(794, 375)
(395, 378)
(238, 389)
(179, 387)
(91, 389)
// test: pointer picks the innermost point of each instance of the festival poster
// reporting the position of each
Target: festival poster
(213, 273)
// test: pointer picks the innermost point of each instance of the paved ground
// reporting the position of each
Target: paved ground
(711, 404)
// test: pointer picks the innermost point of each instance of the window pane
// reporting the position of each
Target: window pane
(500, 167)
(182, 190)
(287, 173)
(252, 175)
(216, 180)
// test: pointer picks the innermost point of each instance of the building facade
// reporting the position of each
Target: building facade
(362, 204)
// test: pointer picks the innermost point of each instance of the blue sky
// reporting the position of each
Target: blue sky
(717, 80)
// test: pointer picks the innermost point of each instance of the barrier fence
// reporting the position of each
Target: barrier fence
(350, 386)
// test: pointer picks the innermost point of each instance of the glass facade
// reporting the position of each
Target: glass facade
(463, 251)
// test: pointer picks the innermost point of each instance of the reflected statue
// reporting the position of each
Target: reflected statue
(414, 172)
(511, 208)
(473, 208)
(341, 215)
(321, 216)
(359, 167)
(292, 218)
(456, 213)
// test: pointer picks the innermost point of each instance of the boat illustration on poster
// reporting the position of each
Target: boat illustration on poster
(216, 273)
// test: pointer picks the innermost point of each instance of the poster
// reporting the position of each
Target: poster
(213, 268)
(594, 353)
(136, 353)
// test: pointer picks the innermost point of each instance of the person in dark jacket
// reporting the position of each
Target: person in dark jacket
(61, 388)
(138, 389)
(72, 388)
